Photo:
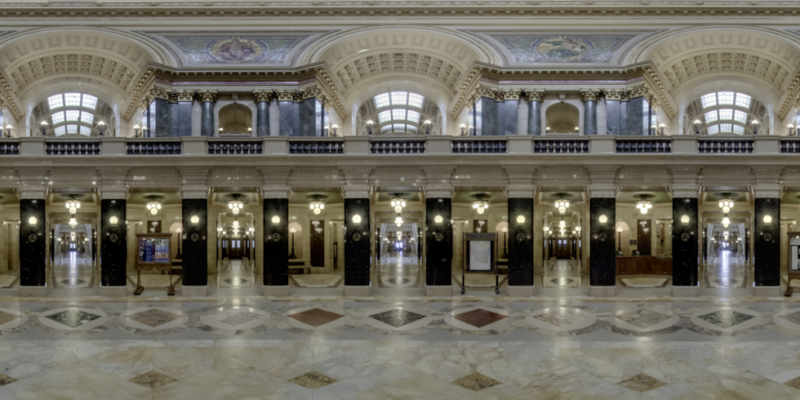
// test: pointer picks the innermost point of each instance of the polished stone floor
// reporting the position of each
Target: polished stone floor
(382, 347)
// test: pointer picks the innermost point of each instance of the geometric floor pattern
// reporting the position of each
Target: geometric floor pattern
(436, 359)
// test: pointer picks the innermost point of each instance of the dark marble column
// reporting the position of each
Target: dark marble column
(32, 254)
(161, 112)
(113, 242)
(638, 113)
(262, 118)
(589, 98)
(483, 117)
(534, 116)
(289, 118)
(602, 242)
(507, 117)
(181, 119)
(438, 242)
(520, 242)
(207, 119)
(613, 122)
(312, 118)
(685, 253)
(767, 242)
(276, 242)
(356, 242)
(195, 242)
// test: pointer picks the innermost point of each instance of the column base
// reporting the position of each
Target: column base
(276, 291)
(520, 291)
(194, 291)
(686, 291)
(113, 291)
(439, 291)
(32, 291)
(357, 291)
(602, 291)
(767, 291)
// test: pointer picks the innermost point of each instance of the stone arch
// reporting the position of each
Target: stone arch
(562, 118)
(235, 119)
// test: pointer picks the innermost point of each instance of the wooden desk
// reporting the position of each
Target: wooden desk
(628, 265)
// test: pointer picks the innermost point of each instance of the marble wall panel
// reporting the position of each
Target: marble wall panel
(613, 125)
(684, 243)
(310, 114)
(289, 118)
(767, 245)
(534, 118)
(623, 118)
(590, 117)
(602, 242)
(507, 117)
(638, 114)
(207, 119)
(32, 237)
(113, 242)
(182, 119)
(520, 242)
(488, 111)
(438, 242)
(356, 242)
(262, 118)
(161, 110)
(195, 242)
(276, 242)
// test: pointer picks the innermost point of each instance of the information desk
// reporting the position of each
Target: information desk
(644, 265)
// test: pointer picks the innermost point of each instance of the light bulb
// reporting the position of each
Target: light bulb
(644, 210)
(317, 211)
(73, 210)
(398, 209)
(480, 211)
(32, 221)
(310, 206)
(603, 219)
(276, 220)
(726, 209)
(153, 211)
(356, 219)
(113, 220)
(521, 219)
(403, 203)
(767, 219)
(685, 219)
(195, 219)
(562, 210)
(158, 206)
(321, 206)
(438, 219)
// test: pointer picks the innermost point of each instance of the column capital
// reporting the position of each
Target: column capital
(262, 95)
(684, 191)
(589, 94)
(534, 95)
(289, 95)
(614, 94)
(159, 93)
(520, 191)
(638, 91)
(207, 96)
(276, 192)
(356, 191)
(438, 192)
(182, 95)
(602, 191)
(767, 191)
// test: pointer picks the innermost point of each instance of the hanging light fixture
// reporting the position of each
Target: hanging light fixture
(562, 204)
(726, 221)
(481, 204)
(316, 205)
(398, 203)
(398, 221)
(235, 206)
(644, 205)
(73, 222)
(73, 205)
(726, 204)
(154, 206)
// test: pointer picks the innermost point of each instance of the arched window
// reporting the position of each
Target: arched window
(72, 113)
(725, 112)
(399, 112)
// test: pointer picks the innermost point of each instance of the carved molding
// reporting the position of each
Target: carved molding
(356, 192)
(767, 191)
(113, 192)
(194, 192)
(182, 95)
(602, 191)
(276, 192)
(614, 94)
(262, 95)
(590, 95)
(684, 191)
(32, 193)
(438, 192)
(520, 191)
(534, 95)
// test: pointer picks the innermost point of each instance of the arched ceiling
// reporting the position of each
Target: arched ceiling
(683, 57)
(105, 57)
(433, 54)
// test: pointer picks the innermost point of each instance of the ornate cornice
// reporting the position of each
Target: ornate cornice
(276, 192)
(602, 191)
(438, 192)
(356, 192)
(613, 94)
(113, 192)
(140, 92)
(520, 191)
(182, 95)
(9, 101)
(684, 191)
(32, 193)
(767, 191)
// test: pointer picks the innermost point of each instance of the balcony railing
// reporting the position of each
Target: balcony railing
(507, 146)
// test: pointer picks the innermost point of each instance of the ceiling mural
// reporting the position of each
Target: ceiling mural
(556, 48)
(210, 48)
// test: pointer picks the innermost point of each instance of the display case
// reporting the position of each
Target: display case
(154, 253)
(479, 256)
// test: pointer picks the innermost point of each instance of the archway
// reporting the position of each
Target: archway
(235, 119)
(562, 118)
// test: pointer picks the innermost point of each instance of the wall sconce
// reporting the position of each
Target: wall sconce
(32, 221)
(653, 130)
(249, 130)
(113, 220)
(195, 219)
(661, 129)
(370, 123)
(356, 219)
(427, 125)
(136, 131)
(438, 219)
(547, 129)
(755, 127)
(101, 127)
(276, 220)
(8, 130)
(685, 219)
(43, 126)
(603, 219)
(792, 131)
(767, 219)
(144, 131)
(520, 219)
(334, 129)
(697, 127)
(219, 229)
(463, 128)
(577, 129)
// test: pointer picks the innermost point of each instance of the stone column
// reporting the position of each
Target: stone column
(357, 240)
(181, 102)
(289, 112)
(685, 240)
(766, 241)
(276, 240)
(520, 241)
(589, 98)
(522, 116)
(207, 100)
(438, 241)
(614, 119)
(113, 235)
(602, 237)
(639, 111)
(535, 98)
(262, 98)
(32, 241)
(274, 120)
(194, 209)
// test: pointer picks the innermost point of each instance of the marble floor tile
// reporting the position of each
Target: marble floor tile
(316, 317)
(642, 383)
(5, 380)
(397, 317)
(612, 365)
(795, 383)
(476, 381)
(479, 317)
(73, 317)
(313, 380)
(8, 281)
(7, 317)
(395, 383)
(236, 317)
(792, 317)
(398, 281)
(154, 317)
(284, 360)
(153, 379)
(725, 318)
(560, 318)
(644, 318)
(131, 362)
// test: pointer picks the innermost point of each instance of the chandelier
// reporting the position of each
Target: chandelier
(235, 206)
(72, 222)
(726, 203)
(398, 221)
(726, 221)
(73, 206)
(562, 205)
(316, 206)
(644, 205)
(398, 203)
(154, 206)
(480, 205)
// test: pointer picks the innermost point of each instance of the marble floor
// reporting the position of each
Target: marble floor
(466, 347)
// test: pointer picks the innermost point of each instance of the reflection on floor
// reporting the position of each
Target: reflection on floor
(73, 271)
(468, 348)
(726, 271)
(236, 274)
(316, 280)
(480, 280)
(644, 281)
(397, 269)
(562, 274)
(8, 280)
